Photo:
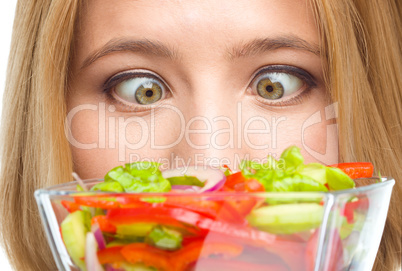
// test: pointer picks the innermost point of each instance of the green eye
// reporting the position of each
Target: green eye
(269, 90)
(149, 94)
(140, 90)
(276, 85)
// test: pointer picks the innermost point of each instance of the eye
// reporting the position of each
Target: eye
(276, 85)
(141, 89)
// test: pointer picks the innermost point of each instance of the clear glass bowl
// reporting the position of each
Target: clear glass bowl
(339, 230)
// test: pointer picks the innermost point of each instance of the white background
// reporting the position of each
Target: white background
(7, 8)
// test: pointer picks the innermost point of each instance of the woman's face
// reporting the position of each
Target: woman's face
(196, 82)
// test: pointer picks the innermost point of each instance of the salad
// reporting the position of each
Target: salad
(210, 219)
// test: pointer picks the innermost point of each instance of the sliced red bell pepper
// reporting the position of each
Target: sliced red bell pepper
(252, 185)
(356, 170)
(147, 255)
(235, 210)
(110, 255)
(348, 213)
(232, 180)
(238, 182)
(350, 207)
(207, 208)
(359, 204)
(195, 250)
(104, 224)
(232, 212)
(97, 201)
(190, 239)
(70, 206)
(131, 201)
(110, 201)
(249, 185)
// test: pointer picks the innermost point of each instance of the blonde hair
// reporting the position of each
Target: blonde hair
(361, 48)
(361, 45)
(35, 152)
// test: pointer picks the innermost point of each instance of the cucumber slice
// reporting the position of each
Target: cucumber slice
(74, 230)
(293, 198)
(287, 218)
(136, 229)
(346, 229)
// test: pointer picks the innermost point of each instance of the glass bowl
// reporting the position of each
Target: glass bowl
(303, 231)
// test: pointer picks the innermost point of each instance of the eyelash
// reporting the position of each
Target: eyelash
(120, 77)
(307, 78)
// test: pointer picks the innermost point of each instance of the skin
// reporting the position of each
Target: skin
(206, 78)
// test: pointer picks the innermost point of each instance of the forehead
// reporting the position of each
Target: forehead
(192, 27)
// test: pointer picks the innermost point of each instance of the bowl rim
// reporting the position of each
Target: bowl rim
(57, 190)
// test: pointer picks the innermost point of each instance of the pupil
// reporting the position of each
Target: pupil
(269, 88)
(149, 93)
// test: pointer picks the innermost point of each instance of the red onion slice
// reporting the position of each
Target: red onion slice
(91, 258)
(213, 179)
(98, 236)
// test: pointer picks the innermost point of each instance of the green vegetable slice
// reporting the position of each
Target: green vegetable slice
(74, 229)
(338, 180)
(135, 229)
(315, 171)
(139, 177)
(297, 183)
(292, 158)
(164, 238)
(287, 218)
(111, 186)
(290, 174)
(185, 180)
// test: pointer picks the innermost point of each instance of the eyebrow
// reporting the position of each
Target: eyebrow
(241, 50)
(259, 46)
(128, 45)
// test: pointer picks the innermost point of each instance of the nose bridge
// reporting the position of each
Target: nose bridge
(211, 121)
(211, 101)
(211, 95)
